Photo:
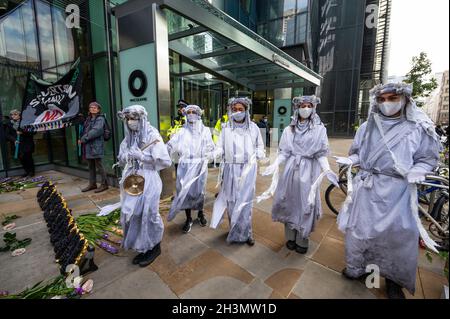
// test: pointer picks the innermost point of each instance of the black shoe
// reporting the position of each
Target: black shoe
(360, 278)
(291, 245)
(301, 250)
(89, 188)
(393, 290)
(138, 259)
(150, 256)
(102, 188)
(187, 226)
(346, 275)
(202, 220)
(251, 242)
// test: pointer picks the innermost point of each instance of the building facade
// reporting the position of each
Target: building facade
(442, 113)
(204, 51)
(345, 41)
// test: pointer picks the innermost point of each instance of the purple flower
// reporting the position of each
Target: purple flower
(109, 248)
(79, 291)
(4, 293)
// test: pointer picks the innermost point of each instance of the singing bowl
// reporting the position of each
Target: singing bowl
(134, 185)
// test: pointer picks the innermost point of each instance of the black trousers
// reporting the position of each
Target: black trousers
(94, 165)
(27, 161)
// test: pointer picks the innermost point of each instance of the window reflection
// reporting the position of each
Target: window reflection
(63, 37)
(44, 16)
(13, 44)
(284, 22)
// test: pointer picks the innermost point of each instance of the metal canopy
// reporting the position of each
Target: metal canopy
(217, 42)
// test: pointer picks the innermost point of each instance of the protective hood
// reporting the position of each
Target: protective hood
(145, 134)
(247, 103)
(297, 102)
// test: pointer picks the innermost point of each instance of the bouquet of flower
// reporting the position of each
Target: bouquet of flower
(95, 228)
(12, 243)
(57, 289)
(9, 184)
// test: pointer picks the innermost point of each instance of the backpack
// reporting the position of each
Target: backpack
(107, 134)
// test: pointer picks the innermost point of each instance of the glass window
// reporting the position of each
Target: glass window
(289, 7)
(45, 35)
(302, 5)
(13, 44)
(29, 26)
(63, 37)
(301, 28)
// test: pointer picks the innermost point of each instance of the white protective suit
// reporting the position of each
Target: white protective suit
(194, 148)
(303, 149)
(142, 224)
(380, 216)
(240, 146)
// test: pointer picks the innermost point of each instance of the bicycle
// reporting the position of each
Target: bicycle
(434, 193)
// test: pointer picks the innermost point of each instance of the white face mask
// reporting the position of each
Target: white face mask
(192, 118)
(391, 108)
(306, 112)
(133, 125)
(239, 116)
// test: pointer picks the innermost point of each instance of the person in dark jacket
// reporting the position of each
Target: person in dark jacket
(25, 142)
(264, 124)
(93, 147)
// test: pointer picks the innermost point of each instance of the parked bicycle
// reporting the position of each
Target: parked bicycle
(432, 194)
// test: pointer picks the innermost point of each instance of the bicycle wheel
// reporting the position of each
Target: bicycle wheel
(335, 197)
(440, 214)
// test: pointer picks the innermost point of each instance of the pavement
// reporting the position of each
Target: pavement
(201, 264)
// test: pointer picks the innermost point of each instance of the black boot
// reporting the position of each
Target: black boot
(201, 219)
(301, 250)
(291, 245)
(361, 278)
(150, 256)
(394, 290)
(251, 242)
(188, 225)
(87, 265)
(138, 259)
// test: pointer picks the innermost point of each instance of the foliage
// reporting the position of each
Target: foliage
(12, 243)
(94, 227)
(8, 219)
(419, 77)
(9, 184)
(42, 290)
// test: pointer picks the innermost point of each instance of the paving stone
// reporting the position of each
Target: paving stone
(315, 278)
(216, 288)
(268, 232)
(37, 264)
(432, 284)
(259, 260)
(284, 281)
(140, 284)
(436, 265)
(256, 290)
(194, 272)
(185, 248)
(335, 233)
(112, 268)
(331, 254)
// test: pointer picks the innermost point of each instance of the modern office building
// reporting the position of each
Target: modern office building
(442, 113)
(154, 52)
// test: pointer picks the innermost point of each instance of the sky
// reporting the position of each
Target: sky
(419, 25)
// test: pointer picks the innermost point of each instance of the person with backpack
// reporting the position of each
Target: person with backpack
(95, 132)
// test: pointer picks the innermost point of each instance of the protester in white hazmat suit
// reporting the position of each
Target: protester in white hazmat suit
(240, 146)
(303, 150)
(395, 149)
(142, 152)
(194, 148)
